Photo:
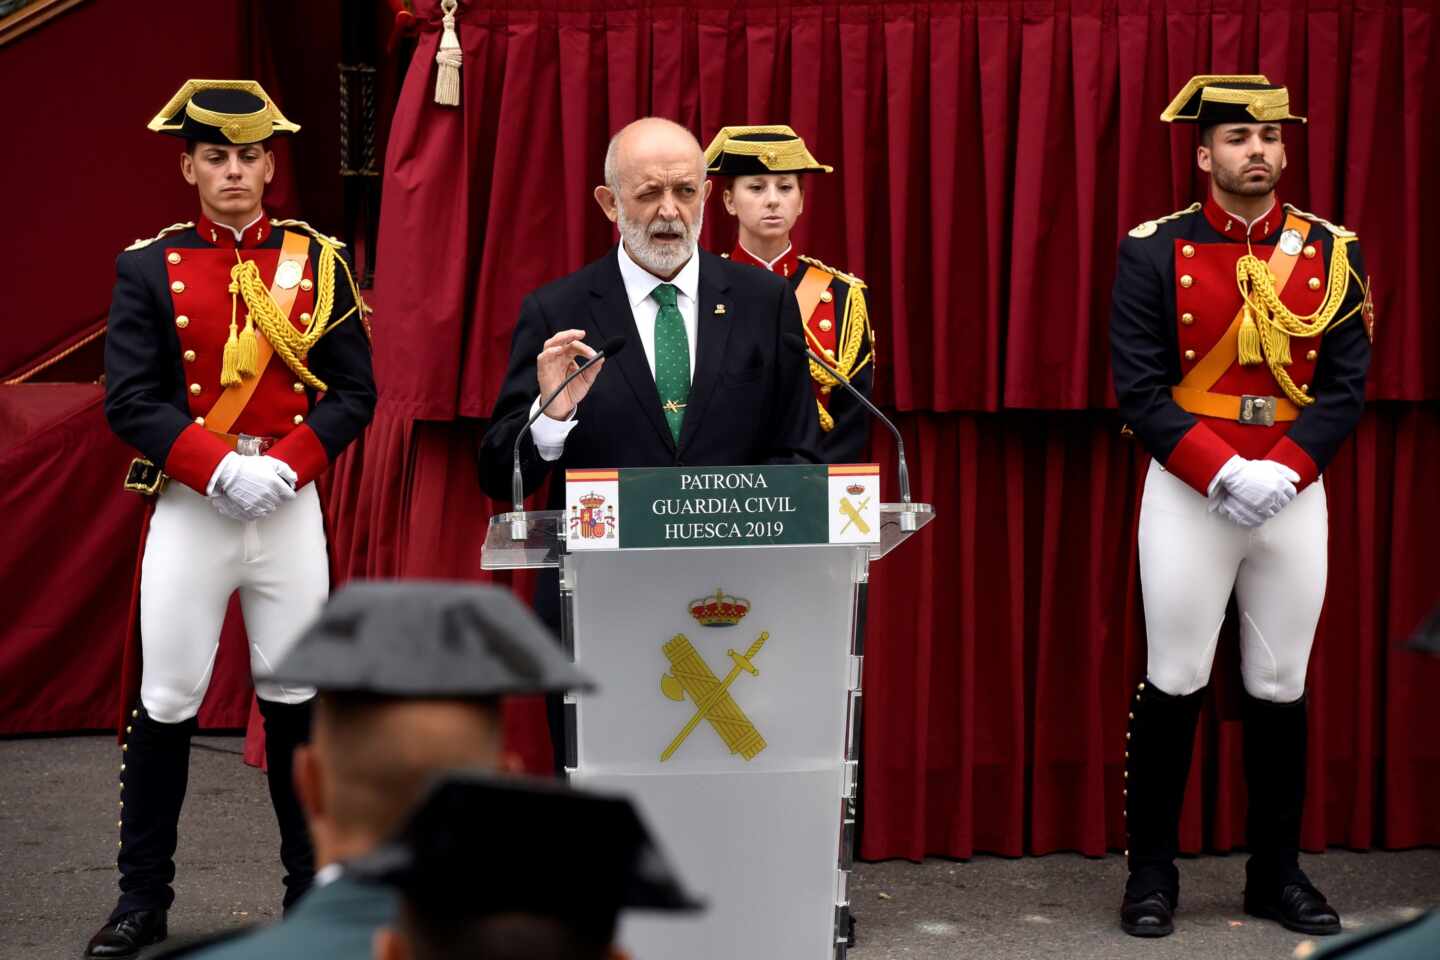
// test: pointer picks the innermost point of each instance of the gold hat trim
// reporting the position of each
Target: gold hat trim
(255, 123)
(774, 154)
(1263, 105)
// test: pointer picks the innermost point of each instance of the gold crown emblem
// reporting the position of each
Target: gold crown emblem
(591, 500)
(719, 610)
(855, 489)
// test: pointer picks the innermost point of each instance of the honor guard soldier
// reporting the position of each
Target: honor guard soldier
(237, 363)
(559, 867)
(766, 195)
(1240, 338)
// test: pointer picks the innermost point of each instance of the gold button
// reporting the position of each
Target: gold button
(178, 286)
(306, 285)
(1314, 283)
(826, 296)
(189, 356)
(829, 354)
(1311, 355)
(1141, 685)
(298, 387)
(182, 321)
(1187, 281)
(1305, 388)
(1187, 318)
(1309, 251)
(305, 318)
(299, 419)
(825, 326)
(1187, 250)
(194, 389)
(1189, 354)
(173, 257)
(136, 713)
(200, 421)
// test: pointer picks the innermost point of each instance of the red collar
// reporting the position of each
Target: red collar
(224, 237)
(787, 266)
(1234, 228)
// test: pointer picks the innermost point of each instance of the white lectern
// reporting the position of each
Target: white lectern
(721, 612)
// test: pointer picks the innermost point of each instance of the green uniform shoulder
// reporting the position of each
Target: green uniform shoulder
(1337, 230)
(173, 228)
(1149, 227)
(840, 275)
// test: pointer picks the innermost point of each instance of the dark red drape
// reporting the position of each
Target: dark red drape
(989, 157)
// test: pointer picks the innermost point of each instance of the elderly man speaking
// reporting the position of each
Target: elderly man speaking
(714, 372)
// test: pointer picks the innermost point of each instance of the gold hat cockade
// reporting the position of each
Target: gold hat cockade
(1209, 99)
(222, 111)
(758, 150)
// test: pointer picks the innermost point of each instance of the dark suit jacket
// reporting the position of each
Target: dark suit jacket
(336, 922)
(750, 398)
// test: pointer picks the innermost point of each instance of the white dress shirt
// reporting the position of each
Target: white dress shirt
(549, 434)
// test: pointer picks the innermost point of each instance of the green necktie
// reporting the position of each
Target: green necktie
(672, 358)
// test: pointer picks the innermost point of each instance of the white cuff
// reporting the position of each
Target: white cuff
(549, 434)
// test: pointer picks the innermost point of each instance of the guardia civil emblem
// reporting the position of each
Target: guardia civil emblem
(691, 677)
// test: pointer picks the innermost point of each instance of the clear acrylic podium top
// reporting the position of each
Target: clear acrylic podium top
(544, 536)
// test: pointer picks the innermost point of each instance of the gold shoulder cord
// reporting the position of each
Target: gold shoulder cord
(855, 331)
(140, 244)
(1268, 324)
(290, 344)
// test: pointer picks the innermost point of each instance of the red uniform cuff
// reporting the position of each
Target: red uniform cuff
(1197, 457)
(1292, 455)
(194, 456)
(304, 452)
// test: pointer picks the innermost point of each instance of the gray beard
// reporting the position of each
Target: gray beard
(661, 261)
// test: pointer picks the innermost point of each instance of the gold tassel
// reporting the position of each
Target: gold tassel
(248, 362)
(230, 358)
(1250, 340)
(1280, 345)
(448, 59)
(827, 422)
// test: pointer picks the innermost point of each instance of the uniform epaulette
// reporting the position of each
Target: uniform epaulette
(138, 244)
(1150, 226)
(322, 237)
(1333, 228)
(851, 279)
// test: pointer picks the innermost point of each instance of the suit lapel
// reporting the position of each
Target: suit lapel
(611, 313)
(712, 332)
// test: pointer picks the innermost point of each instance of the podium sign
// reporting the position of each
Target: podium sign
(664, 508)
(720, 612)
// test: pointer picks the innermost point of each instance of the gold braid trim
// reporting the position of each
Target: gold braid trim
(1274, 323)
(139, 244)
(329, 241)
(292, 345)
(855, 332)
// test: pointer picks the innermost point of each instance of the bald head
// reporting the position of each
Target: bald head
(655, 190)
(647, 140)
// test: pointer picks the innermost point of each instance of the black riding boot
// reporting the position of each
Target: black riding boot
(154, 771)
(1275, 886)
(287, 726)
(1160, 743)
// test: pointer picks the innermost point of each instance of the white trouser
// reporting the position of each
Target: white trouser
(1190, 559)
(194, 560)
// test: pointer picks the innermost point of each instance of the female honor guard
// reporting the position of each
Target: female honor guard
(1240, 341)
(238, 365)
(767, 196)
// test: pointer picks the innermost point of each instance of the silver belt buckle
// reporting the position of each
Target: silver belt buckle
(248, 446)
(1257, 411)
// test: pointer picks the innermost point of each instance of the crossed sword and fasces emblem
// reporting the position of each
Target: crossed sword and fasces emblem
(690, 674)
(852, 512)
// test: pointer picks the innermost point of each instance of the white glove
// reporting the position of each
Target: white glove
(255, 486)
(1261, 487)
(226, 507)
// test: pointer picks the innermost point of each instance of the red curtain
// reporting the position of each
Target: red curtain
(989, 156)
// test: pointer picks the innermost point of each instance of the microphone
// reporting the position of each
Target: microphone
(517, 483)
(907, 520)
